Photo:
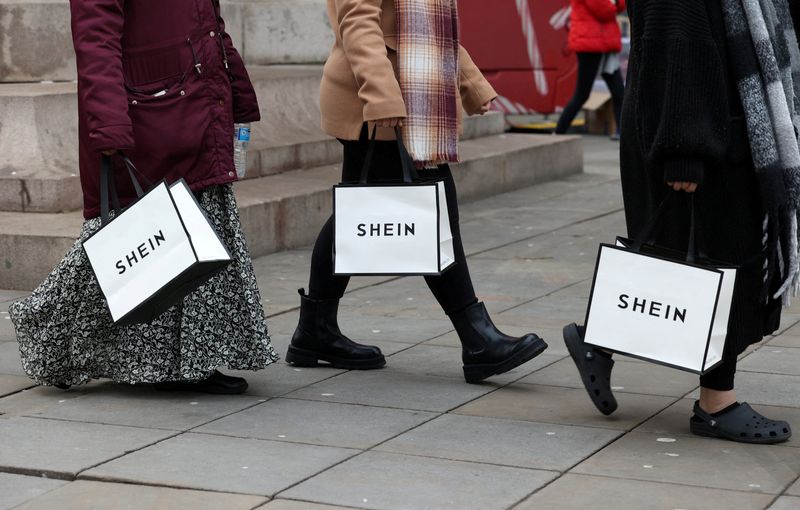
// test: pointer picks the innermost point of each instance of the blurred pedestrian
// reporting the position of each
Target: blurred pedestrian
(162, 82)
(373, 78)
(706, 113)
(595, 37)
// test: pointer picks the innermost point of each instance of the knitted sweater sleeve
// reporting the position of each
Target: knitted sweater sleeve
(681, 101)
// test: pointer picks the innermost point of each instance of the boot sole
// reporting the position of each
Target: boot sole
(475, 374)
(305, 358)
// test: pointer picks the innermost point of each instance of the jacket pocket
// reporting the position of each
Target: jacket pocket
(152, 70)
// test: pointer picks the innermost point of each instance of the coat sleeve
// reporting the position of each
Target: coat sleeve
(680, 91)
(475, 90)
(603, 10)
(97, 36)
(245, 102)
(365, 48)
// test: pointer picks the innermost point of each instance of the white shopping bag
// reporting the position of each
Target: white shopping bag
(659, 309)
(154, 253)
(392, 229)
(399, 229)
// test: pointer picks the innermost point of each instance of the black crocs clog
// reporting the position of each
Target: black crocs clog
(594, 368)
(741, 424)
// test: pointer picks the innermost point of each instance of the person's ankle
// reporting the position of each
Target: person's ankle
(714, 401)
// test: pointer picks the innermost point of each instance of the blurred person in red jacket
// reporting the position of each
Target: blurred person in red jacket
(595, 37)
(162, 83)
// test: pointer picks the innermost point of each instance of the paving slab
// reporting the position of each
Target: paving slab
(287, 504)
(279, 378)
(143, 406)
(579, 491)
(37, 399)
(17, 489)
(10, 384)
(10, 363)
(503, 442)
(768, 389)
(773, 360)
(446, 362)
(785, 340)
(319, 423)
(786, 503)
(674, 420)
(627, 377)
(568, 406)
(386, 481)
(698, 462)
(32, 445)
(7, 332)
(82, 495)
(794, 490)
(225, 464)
(384, 388)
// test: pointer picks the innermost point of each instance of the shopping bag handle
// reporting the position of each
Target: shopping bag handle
(648, 233)
(409, 170)
(108, 186)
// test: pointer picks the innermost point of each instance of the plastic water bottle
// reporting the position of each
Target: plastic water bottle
(241, 139)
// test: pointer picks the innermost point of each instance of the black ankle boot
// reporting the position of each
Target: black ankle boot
(486, 350)
(318, 338)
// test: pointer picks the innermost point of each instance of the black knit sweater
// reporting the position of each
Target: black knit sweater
(682, 96)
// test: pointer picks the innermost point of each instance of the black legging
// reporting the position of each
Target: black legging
(453, 289)
(588, 65)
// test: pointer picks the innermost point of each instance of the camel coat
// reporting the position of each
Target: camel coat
(359, 83)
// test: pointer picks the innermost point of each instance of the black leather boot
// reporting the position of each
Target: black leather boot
(318, 338)
(486, 350)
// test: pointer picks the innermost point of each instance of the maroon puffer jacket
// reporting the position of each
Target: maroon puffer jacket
(152, 82)
(593, 26)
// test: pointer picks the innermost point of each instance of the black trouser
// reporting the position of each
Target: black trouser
(588, 65)
(453, 289)
(722, 377)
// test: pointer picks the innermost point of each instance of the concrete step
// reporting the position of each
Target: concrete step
(38, 136)
(285, 211)
(36, 40)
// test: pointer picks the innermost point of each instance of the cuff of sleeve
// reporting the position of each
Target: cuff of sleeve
(246, 117)
(119, 137)
(389, 109)
(684, 170)
(479, 94)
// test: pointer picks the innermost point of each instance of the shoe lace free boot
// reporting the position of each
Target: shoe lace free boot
(487, 351)
(318, 338)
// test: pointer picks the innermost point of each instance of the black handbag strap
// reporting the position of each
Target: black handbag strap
(409, 170)
(649, 234)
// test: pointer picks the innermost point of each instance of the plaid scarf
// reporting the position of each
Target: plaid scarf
(765, 58)
(428, 67)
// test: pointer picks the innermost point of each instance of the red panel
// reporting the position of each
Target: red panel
(510, 43)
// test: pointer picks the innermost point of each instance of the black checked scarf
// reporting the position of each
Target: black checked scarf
(428, 51)
(765, 58)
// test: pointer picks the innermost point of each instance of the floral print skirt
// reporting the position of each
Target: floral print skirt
(66, 335)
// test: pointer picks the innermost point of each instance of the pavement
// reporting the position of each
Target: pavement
(414, 435)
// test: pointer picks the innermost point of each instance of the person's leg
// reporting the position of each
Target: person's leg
(617, 87)
(716, 387)
(453, 289)
(318, 336)
(486, 350)
(588, 65)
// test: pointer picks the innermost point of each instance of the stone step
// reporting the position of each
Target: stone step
(36, 40)
(285, 211)
(38, 136)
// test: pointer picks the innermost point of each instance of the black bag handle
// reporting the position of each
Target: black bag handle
(108, 187)
(650, 230)
(409, 170)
